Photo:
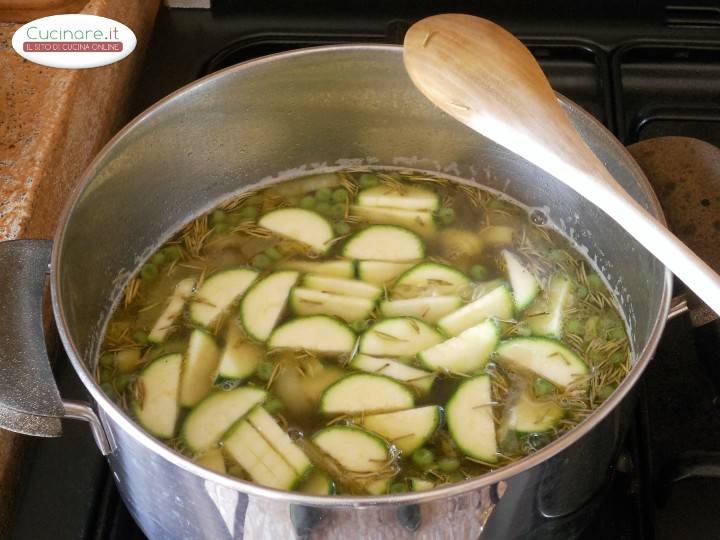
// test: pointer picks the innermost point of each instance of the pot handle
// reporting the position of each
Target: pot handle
(29, 399)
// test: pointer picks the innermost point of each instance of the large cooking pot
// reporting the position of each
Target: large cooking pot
(253, 123)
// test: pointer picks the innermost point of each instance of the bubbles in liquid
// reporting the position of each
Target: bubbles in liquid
(538, 217)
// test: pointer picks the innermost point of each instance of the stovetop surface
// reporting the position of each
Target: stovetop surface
(643, 71)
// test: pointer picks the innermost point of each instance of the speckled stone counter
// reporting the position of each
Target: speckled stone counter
(52, 123)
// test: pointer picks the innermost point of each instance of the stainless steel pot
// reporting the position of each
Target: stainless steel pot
(308, 109)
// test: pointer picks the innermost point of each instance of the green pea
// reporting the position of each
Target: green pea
(172, 253)
(149, 271)
(478, 272)
(541, 387)
(307, 202)
(581, 291)
(398, 487)
(273, 253)
(109, 390)
(323, 194)
(140, 337)
(618, 357)
(523, 329)
(261, 261)
(340, 195)
(265, 370)
(273, 405)
(107, 360)
(605, 391)
(248, 212)
(218, 216)
(220, 228)
(446, 215)
(122, 382)
(106, 375)
(595, 282)
(615, 333)
(423, 457)
(448, 465)
(342, 228)
(358, 326)
(323, 208)
(368, 180)
(158, 259)
(337, 211)
(574, 326)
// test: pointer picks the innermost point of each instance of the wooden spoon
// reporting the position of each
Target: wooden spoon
(487, 79)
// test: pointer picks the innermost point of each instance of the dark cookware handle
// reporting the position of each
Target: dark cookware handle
(29, 399)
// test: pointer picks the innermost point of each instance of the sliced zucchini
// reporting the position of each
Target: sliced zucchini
(301, 186)
(496, 234)
(525, 286)
(318, 482)
(380, 272)
(529, 415)
(365, 393)
(429, 308)
(239, 358)
(300, 393)
(466, 353)
(408, 430)
(218, 293)
(497, 303)
(420, 222)
(341, 269)
(157, 410)
(264, 303)
(346, 287)
(254, 454)
(406, 198)
(377, 487)
(312, 302)
(398, 336)
(384, 243)
(459, 245)
(418, 484)
(208, 421)
(417, 378)
(470, 419)
(318, 333)
(545, 357)
(545, 316)
(183, 290)
(213, 460)
(201, 361)
(354, 449)
(305, 226)
(265, 425)
(429, 279)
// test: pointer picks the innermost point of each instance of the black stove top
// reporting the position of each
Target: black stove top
(644, 70)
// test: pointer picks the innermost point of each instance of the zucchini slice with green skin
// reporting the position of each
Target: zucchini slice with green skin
(409, 198)
(545, 357)
(199, 366)
(529, 415)
(208, 421)
(158, 409)
(264, 303)
(429, 279)
(318, 482)
(183, 290)
(255, 454)
(497, 303)
(408, 430)
(317, 333)
(429, 308)
(418, 484)
(525, 286)
(465, 353)
(384, 243)
(265, 425)
(380, 272)
(417, 378)
(365, 393)
(497, 234)
(545, 317)
(341, 269)
(420, 222)
(346, 287)
(354, 449)
(399, 336)
(470, 421)
(239, 358)
(312, 302)
(305, 226)
(213, 460)
(218, 292)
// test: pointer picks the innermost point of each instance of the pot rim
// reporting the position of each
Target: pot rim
(127, 424)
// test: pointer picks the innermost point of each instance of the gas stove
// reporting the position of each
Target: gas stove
(644, 70)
